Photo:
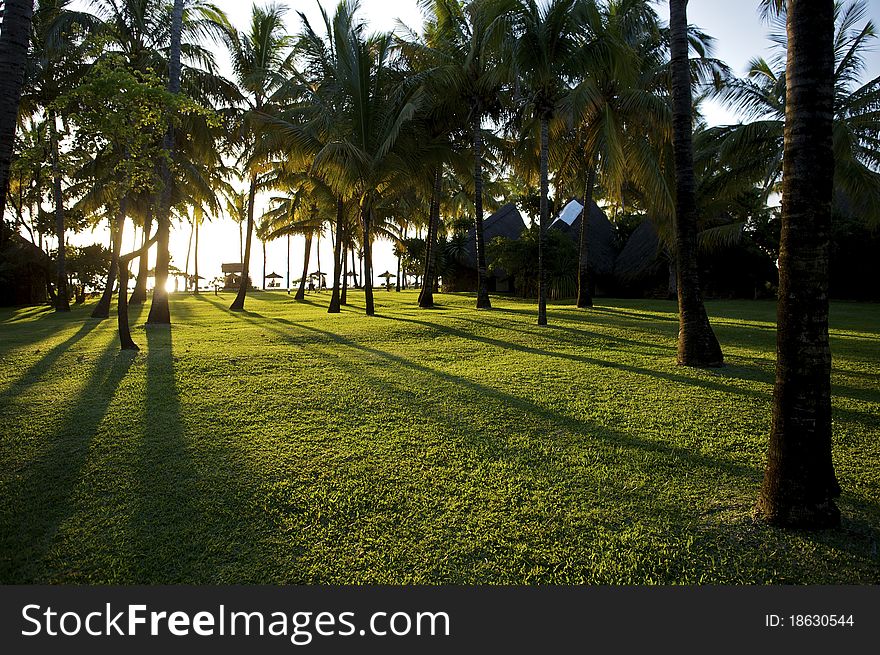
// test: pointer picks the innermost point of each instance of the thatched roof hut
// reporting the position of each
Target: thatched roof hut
(507, 222)
(602, 243)
(640, 258)
(24, 270)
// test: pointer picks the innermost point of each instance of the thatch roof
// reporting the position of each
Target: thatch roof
(237, 267)
(507, 222)
(640, 255)
(601, 238)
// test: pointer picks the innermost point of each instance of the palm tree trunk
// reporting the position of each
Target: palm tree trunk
(102, 309)
(301, 292)
(238, 304)
(338, 257)
(343, 298)
(160, 311)
(139, 293)
(368, 258)
(264, 265)
(354, 268)
(125, 340)
(14, 39)
(483, 301)
(585, 299)
(287, 275)
(192, 231)
(697, 344)
(318, 255)
(799, 484)
(240, 242)
(62, 301)
(196, 254)
(542, 221)
(426, 295)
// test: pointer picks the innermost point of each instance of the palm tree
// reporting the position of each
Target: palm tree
(546, 49)
(360, 109)
(475, 73)
(17, 16)
(160, 311)
(261, 59)
(754, 149)
(697, 344)
(799, 484)
(55, 64)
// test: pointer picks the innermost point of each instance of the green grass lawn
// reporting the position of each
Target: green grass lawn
(285, 445)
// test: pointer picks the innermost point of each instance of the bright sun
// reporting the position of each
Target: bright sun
(169, 285)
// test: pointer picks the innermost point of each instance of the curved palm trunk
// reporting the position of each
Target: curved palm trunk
(697, 344)
(160, 311)
(102, 309)
(125, 340)
(14, 38)
(368, 259)
(338, 257)
(343, 297)
(62, 300)
(189, 244)
(426, 295)
(301, 292)
(585, 298)
(799, 484)
(264, 265)
(287, 275)
(483, 301)
(139, 293)
(238, 303)
(196, 254)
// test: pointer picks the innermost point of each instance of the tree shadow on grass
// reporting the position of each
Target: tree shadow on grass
(187, 486)
(43, 496)
(39, 369)
(402, 378)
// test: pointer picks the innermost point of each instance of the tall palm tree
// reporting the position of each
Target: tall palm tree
(754, 149)
(261, 60)
(548, 41)
(471, 37)
(56, 62)
(799, 484)
(697, 344)
(365, 102)
(160, 311)
(17, 16)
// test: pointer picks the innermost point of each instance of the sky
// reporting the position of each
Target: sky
(739, 33)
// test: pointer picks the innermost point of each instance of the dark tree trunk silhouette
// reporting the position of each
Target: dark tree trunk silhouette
(62, 300)
(343, 297)
(543, 220)
(697, 344)
(238, 304)
(483, 301)
(301, 292)
(287, 275)
(125, 340)
(160, 310)
(139, 293)
(196, 255)
(585, 298)
(102, 309)
(366, 223)
(14, 39)
(426, 294)
(799, 484)
(338, 257)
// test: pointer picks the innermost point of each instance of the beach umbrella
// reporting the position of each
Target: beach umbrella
(273, 276)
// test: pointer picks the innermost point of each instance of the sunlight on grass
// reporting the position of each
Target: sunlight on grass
(283, 444)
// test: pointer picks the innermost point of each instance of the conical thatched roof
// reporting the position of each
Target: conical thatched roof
(506, 222)
(640, 255)
(601, 238)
